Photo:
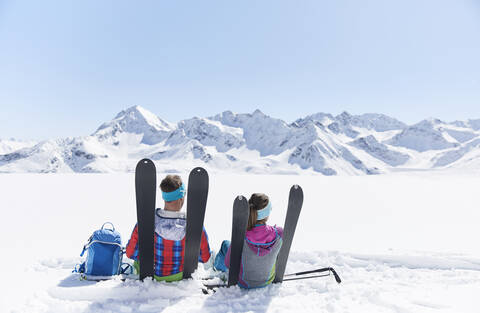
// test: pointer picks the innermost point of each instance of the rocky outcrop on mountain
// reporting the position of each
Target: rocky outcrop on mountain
(261, 133)
(453, 155)
(211, 133)
(380, 151)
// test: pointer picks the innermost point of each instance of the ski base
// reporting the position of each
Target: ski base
(239, 229)
(145, 193)
(197, 194)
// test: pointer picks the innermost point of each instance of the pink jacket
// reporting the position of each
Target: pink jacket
(260, 239)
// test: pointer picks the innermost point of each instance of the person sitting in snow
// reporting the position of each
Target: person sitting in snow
(169, 240)
(262, 245)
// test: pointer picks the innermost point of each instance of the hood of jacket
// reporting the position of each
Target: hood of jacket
(170, 225)
(262, 237)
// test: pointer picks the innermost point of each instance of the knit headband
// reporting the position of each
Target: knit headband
(263, 213)
(174, 195)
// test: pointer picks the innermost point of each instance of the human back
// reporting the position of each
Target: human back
(170, 230)
(261, 247)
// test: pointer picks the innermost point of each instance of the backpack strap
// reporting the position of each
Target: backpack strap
(79, 268)
(86, 245)
(126, 267)
(113, 227)
(104, 242)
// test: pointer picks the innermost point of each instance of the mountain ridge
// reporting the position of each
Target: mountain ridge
(254, 142)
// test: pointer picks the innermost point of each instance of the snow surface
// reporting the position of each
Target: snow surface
(11, 145)
(404, 242)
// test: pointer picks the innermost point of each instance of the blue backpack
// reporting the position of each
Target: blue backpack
(104, 255)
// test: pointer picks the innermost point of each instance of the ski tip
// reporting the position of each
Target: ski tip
(296, 188)
(144, 162)
(198, 170)
(241, 198)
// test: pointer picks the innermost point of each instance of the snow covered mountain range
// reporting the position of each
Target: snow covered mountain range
(255, 143)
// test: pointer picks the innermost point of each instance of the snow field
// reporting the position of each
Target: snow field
(401, 243)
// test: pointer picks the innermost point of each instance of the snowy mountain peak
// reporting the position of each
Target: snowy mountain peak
(211, 133)
(344, 116)
(258, 113)
(423, 136)
(428, 123)
(136, 120)
(138, 113)
(471, 123)
(378, 122)
(322, 118)
(345, 121)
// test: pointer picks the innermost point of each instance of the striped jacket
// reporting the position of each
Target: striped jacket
(169, 243)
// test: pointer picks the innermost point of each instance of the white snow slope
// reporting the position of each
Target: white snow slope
(401, 243)
(10, 145)
(255, 143)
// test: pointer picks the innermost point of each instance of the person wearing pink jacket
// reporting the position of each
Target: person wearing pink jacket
(262, 245)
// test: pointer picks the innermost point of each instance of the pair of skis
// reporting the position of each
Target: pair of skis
(239, 228)
(145, 190)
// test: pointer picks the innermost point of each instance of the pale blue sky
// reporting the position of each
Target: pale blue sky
(67, 66)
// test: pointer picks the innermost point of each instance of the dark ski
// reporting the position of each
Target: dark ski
(295, 201)
(239, 228)
(145, 192)
(197, 193)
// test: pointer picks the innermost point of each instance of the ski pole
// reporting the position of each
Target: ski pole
(213, 287)
(319, 270)
(307, 277)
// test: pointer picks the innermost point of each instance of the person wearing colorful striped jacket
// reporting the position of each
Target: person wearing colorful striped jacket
(169, 240)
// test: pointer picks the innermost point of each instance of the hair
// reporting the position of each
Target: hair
(170, 183)
(256, 202)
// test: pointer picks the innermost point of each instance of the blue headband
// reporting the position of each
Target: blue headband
(263, 213)
(174, 195)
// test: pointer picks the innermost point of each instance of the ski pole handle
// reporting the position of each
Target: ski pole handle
(337, 278)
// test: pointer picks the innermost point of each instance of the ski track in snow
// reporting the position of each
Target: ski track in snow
(401, 243)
